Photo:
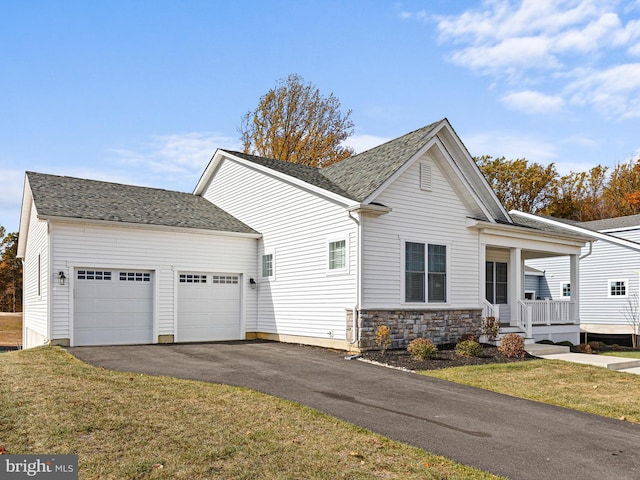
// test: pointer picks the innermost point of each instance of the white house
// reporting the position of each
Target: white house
(408, 234)
(609, 275)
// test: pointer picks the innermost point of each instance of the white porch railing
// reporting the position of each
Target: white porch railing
(552, 312)
(491, 310)
(525, 317)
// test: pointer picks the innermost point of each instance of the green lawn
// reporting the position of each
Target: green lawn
(581, 387)
(622, 354)
(132, 426)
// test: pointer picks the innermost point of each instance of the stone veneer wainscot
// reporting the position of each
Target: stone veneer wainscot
(440, 326)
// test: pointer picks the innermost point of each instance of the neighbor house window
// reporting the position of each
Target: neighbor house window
(496, 282)
(565, 290)
(338, 255)
(425, 272)
(267, 265)
(617, 288)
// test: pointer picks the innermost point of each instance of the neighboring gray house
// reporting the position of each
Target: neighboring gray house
(609, 274)
(408, 234)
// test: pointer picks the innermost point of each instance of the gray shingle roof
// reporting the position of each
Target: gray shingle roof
(359, 176)
(68, 197)
(311, 175)
(535, 224)
(363, 174)
(612, 223)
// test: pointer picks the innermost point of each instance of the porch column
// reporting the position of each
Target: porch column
(515, 282)
(482, 255)
(574, 279)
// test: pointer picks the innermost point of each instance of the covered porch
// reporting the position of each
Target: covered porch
(508, 295)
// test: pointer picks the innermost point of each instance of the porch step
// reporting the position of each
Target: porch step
(539, 349)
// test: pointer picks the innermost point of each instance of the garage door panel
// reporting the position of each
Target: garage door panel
(208, 310)
(111, 311)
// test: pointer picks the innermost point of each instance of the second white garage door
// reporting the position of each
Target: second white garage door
(208, 307)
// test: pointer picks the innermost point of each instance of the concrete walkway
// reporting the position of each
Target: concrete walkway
(555, 352)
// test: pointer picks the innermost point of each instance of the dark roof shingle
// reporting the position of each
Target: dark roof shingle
(68, 197)
(359, 176)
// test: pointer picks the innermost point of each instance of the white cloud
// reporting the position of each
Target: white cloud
(174, 155)
(614, 91)
(550, 44)
(533, 102)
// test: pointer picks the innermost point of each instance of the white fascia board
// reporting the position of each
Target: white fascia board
(220, 155)
(523, 233)
(583, 231)
(25, 216)
(145, 226)
(480, 176)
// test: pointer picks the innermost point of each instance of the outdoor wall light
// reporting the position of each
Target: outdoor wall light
(61, 278)
(252, 283)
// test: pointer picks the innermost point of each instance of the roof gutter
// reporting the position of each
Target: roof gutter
(150, 226)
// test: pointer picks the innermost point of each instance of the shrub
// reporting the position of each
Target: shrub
(584, 348)
(490, 328)
(383, 337)
(616, 348)
(468, 336)
(469, 348)
(422, 348)
(596, 346)
(512, 346)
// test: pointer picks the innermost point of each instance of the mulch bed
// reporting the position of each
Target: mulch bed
(447, 357)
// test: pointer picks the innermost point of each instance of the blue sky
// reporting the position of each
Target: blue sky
(143, 92)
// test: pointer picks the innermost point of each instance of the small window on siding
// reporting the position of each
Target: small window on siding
(565, 290)
(618, 288)
(267, 265)
(425, 177)
(338, 255)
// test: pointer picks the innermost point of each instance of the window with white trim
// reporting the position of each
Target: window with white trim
(565, 290)
(338, 255)
(496, 284)
(618, 287)
(267, 265)
(135, 277)
(425, 273)
(227, 279)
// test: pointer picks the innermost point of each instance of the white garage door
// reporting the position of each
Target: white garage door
(112, 307)
(208, 307)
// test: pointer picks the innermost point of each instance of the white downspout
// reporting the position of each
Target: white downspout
(356, 317)
(589, 252)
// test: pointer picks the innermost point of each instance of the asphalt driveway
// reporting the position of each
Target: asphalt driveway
(507, 436)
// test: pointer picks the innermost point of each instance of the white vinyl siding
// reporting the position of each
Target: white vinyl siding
(296, 223)
(436, 217)
(159, 251)
(36, 287)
